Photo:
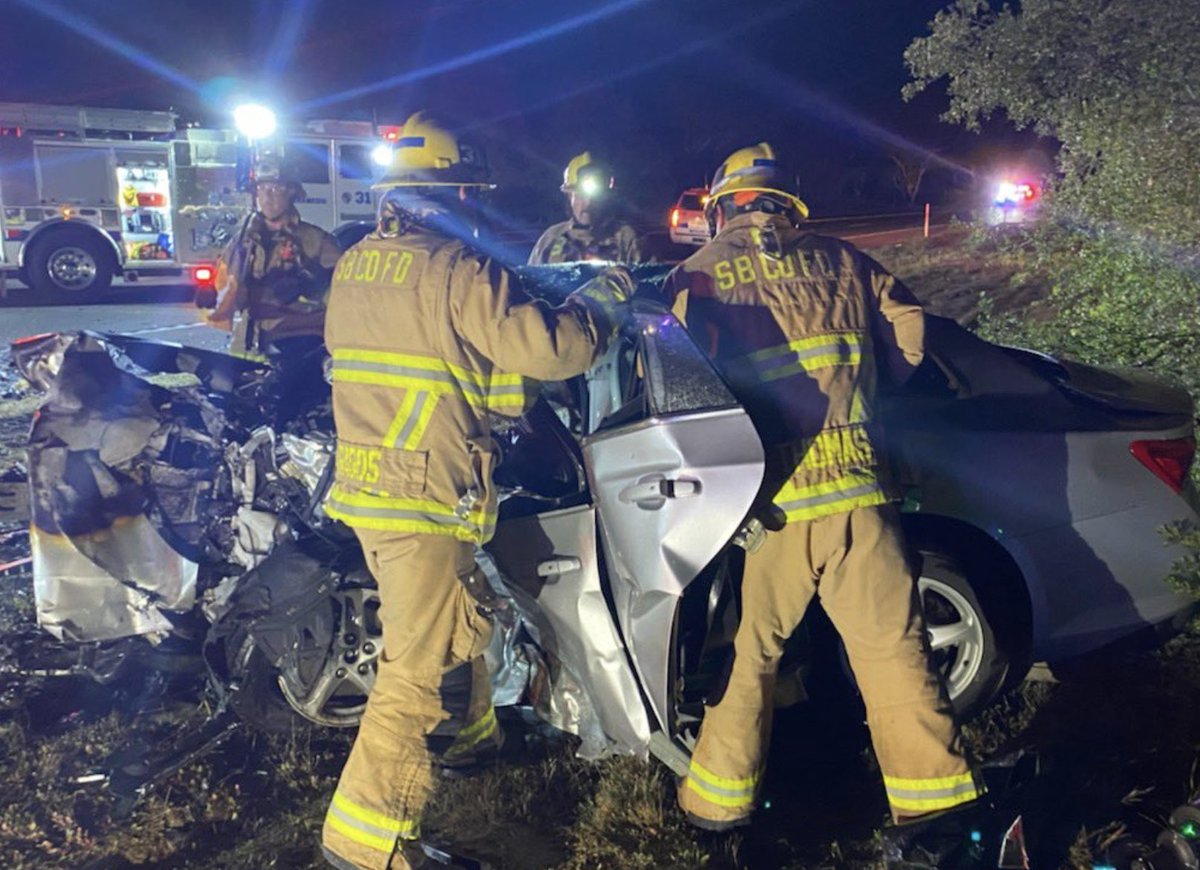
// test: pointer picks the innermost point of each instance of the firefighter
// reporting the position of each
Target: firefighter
(428, 336)
(805, 328)
(593, 231)
(273, 277)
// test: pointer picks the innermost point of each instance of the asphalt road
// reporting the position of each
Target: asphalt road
(163, 312)
(166, 312)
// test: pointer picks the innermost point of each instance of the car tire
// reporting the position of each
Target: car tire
(70, 265)
(969, 634)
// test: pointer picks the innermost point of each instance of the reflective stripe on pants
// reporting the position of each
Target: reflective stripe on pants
(855, 562)
(430, 626)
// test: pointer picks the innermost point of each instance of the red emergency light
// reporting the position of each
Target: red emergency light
(204, 276)
(1015, 192)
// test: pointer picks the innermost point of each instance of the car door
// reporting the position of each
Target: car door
(673, 463)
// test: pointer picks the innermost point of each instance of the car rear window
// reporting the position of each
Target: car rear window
(690, 201)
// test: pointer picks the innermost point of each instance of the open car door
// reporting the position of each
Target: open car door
(674, 464)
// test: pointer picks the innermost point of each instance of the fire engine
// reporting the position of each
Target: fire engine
(88, 195)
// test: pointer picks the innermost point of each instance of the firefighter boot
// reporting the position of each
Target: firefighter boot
(956, 839)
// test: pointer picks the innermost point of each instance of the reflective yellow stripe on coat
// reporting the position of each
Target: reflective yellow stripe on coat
(806, 355)
(384, 513)
(854, 489)
(496, 392)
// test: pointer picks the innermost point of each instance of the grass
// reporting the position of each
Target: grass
(960, 273)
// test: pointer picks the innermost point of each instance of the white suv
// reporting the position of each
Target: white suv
(687, 223)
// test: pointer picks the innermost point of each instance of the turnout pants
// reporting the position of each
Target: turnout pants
(855, 562)
(433, 640)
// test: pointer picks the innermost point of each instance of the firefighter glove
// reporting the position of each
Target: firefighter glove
(609, 292)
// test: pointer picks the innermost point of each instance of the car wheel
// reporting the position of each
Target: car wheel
(323, 681)
(70, 265)
(333, 691)
(965, 644)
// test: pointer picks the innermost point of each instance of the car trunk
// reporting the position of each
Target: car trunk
(1126, 390)
(969, 383)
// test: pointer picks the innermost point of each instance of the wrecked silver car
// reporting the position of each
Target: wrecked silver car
(188, 511)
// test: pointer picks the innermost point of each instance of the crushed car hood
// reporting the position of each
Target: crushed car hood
(102, 568)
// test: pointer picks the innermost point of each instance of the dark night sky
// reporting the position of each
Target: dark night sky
(663, 88)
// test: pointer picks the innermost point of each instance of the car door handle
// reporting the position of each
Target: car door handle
(559, 565)
(658, 489)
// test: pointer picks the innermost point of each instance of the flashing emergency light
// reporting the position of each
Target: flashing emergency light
(382, 154)
(254, 121)
(1015, 192)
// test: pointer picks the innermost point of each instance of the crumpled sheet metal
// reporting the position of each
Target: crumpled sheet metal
(102, 570)
(507, 660)
(78, 600)
(307, 457)
(256, 534)
(524, 671)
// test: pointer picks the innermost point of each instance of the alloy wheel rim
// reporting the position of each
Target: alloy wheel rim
(955, 631)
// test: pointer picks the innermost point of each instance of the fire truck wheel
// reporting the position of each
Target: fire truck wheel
(70, 265)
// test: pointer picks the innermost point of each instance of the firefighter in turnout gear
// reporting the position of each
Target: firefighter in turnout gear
(593, 232)
(805, 327)
(273, 277)
(428, 337)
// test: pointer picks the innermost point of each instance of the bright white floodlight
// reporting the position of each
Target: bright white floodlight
(254, 121)
(382, 154)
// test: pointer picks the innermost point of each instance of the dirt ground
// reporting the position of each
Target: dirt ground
(1118, 742)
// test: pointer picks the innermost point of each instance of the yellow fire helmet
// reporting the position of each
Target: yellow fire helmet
(428, 155)
(753, 170)
(587, 176)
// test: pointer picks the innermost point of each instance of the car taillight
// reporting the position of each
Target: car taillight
(674, 217)
(1169, 460)
(204, 276)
